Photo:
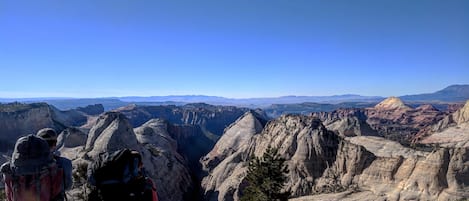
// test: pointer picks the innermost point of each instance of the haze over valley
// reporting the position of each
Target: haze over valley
(243, 100)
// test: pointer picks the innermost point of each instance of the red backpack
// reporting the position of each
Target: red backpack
(32, 174)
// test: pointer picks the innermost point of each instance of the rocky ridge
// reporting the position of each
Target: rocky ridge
(298, 138)
(452, 131)
(212, 119)
(235, 137)
(391, 119)
(356, 168)
(166, 167)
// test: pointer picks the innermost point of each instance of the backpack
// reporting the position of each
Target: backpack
(32, 174)
(117, 176)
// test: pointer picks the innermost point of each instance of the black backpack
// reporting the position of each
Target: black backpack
(117, 176)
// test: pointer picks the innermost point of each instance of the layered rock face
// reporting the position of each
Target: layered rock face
(306, 144)
(452, 131)
(331, 167)
(347, 122)
(393, 172)
(398, 122)
(70, 142)
(213, 119)
(111, 133)
(235, 137)
(95, 109)
(17, 119)
(70, 138)
(225, 163)
(391, 119)
(166, 167)
(163, 163)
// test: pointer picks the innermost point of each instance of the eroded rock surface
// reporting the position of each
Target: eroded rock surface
(167, 168)
(326, 166)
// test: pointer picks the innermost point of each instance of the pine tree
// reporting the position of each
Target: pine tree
(266, 177)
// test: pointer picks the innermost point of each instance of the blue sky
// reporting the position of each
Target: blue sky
(238, 49)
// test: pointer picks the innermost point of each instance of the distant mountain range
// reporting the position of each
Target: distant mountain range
(453, 93)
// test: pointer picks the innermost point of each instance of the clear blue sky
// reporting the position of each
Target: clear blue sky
(252, 48)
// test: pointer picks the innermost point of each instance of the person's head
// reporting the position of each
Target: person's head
(49, 135)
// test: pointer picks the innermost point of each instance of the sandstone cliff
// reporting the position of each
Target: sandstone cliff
(164, 164)
(347, 122)
(211, 118)
(235, 137)
(354, 168)
(166, 167)
(306, 144)
(17, 119)
(70, 143)
(391, 119)
(452, 131)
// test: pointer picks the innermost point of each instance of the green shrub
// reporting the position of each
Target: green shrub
(266, 177)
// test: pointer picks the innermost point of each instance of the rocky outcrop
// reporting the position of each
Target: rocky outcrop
(70, 138)
(18, 119)
(347, 122)
(401, 123)
(391, 119)
(213, 119)
(95, 109)
(235, 137)
(356, 168)
(112, 132)
(391, 103)
(452, 131)
(458, 117)
(399, 173)
(71, 142)
(164, 165)
(306, 144)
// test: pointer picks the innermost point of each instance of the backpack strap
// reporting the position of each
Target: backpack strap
(38, 186)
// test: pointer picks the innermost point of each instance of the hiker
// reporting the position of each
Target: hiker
(32, 174)
(50, 136)
(120, 176)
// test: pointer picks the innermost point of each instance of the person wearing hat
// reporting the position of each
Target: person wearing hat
(50, 136)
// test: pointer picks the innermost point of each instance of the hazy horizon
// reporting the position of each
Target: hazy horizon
(233, 49)
(213, 96)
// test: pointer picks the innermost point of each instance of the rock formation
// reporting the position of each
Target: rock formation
(166, 167)
(357, 168)
(306, 144)
(235, 137)
(347, 122)
(70, 142)
(162, 161)
(18, 119)
(95, 109)
(70, 138)
(452, 131)
(392, 103)
(213, 119)
(391, 119)
(111, 133)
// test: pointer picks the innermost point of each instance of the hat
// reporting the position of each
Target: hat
(47, 134)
